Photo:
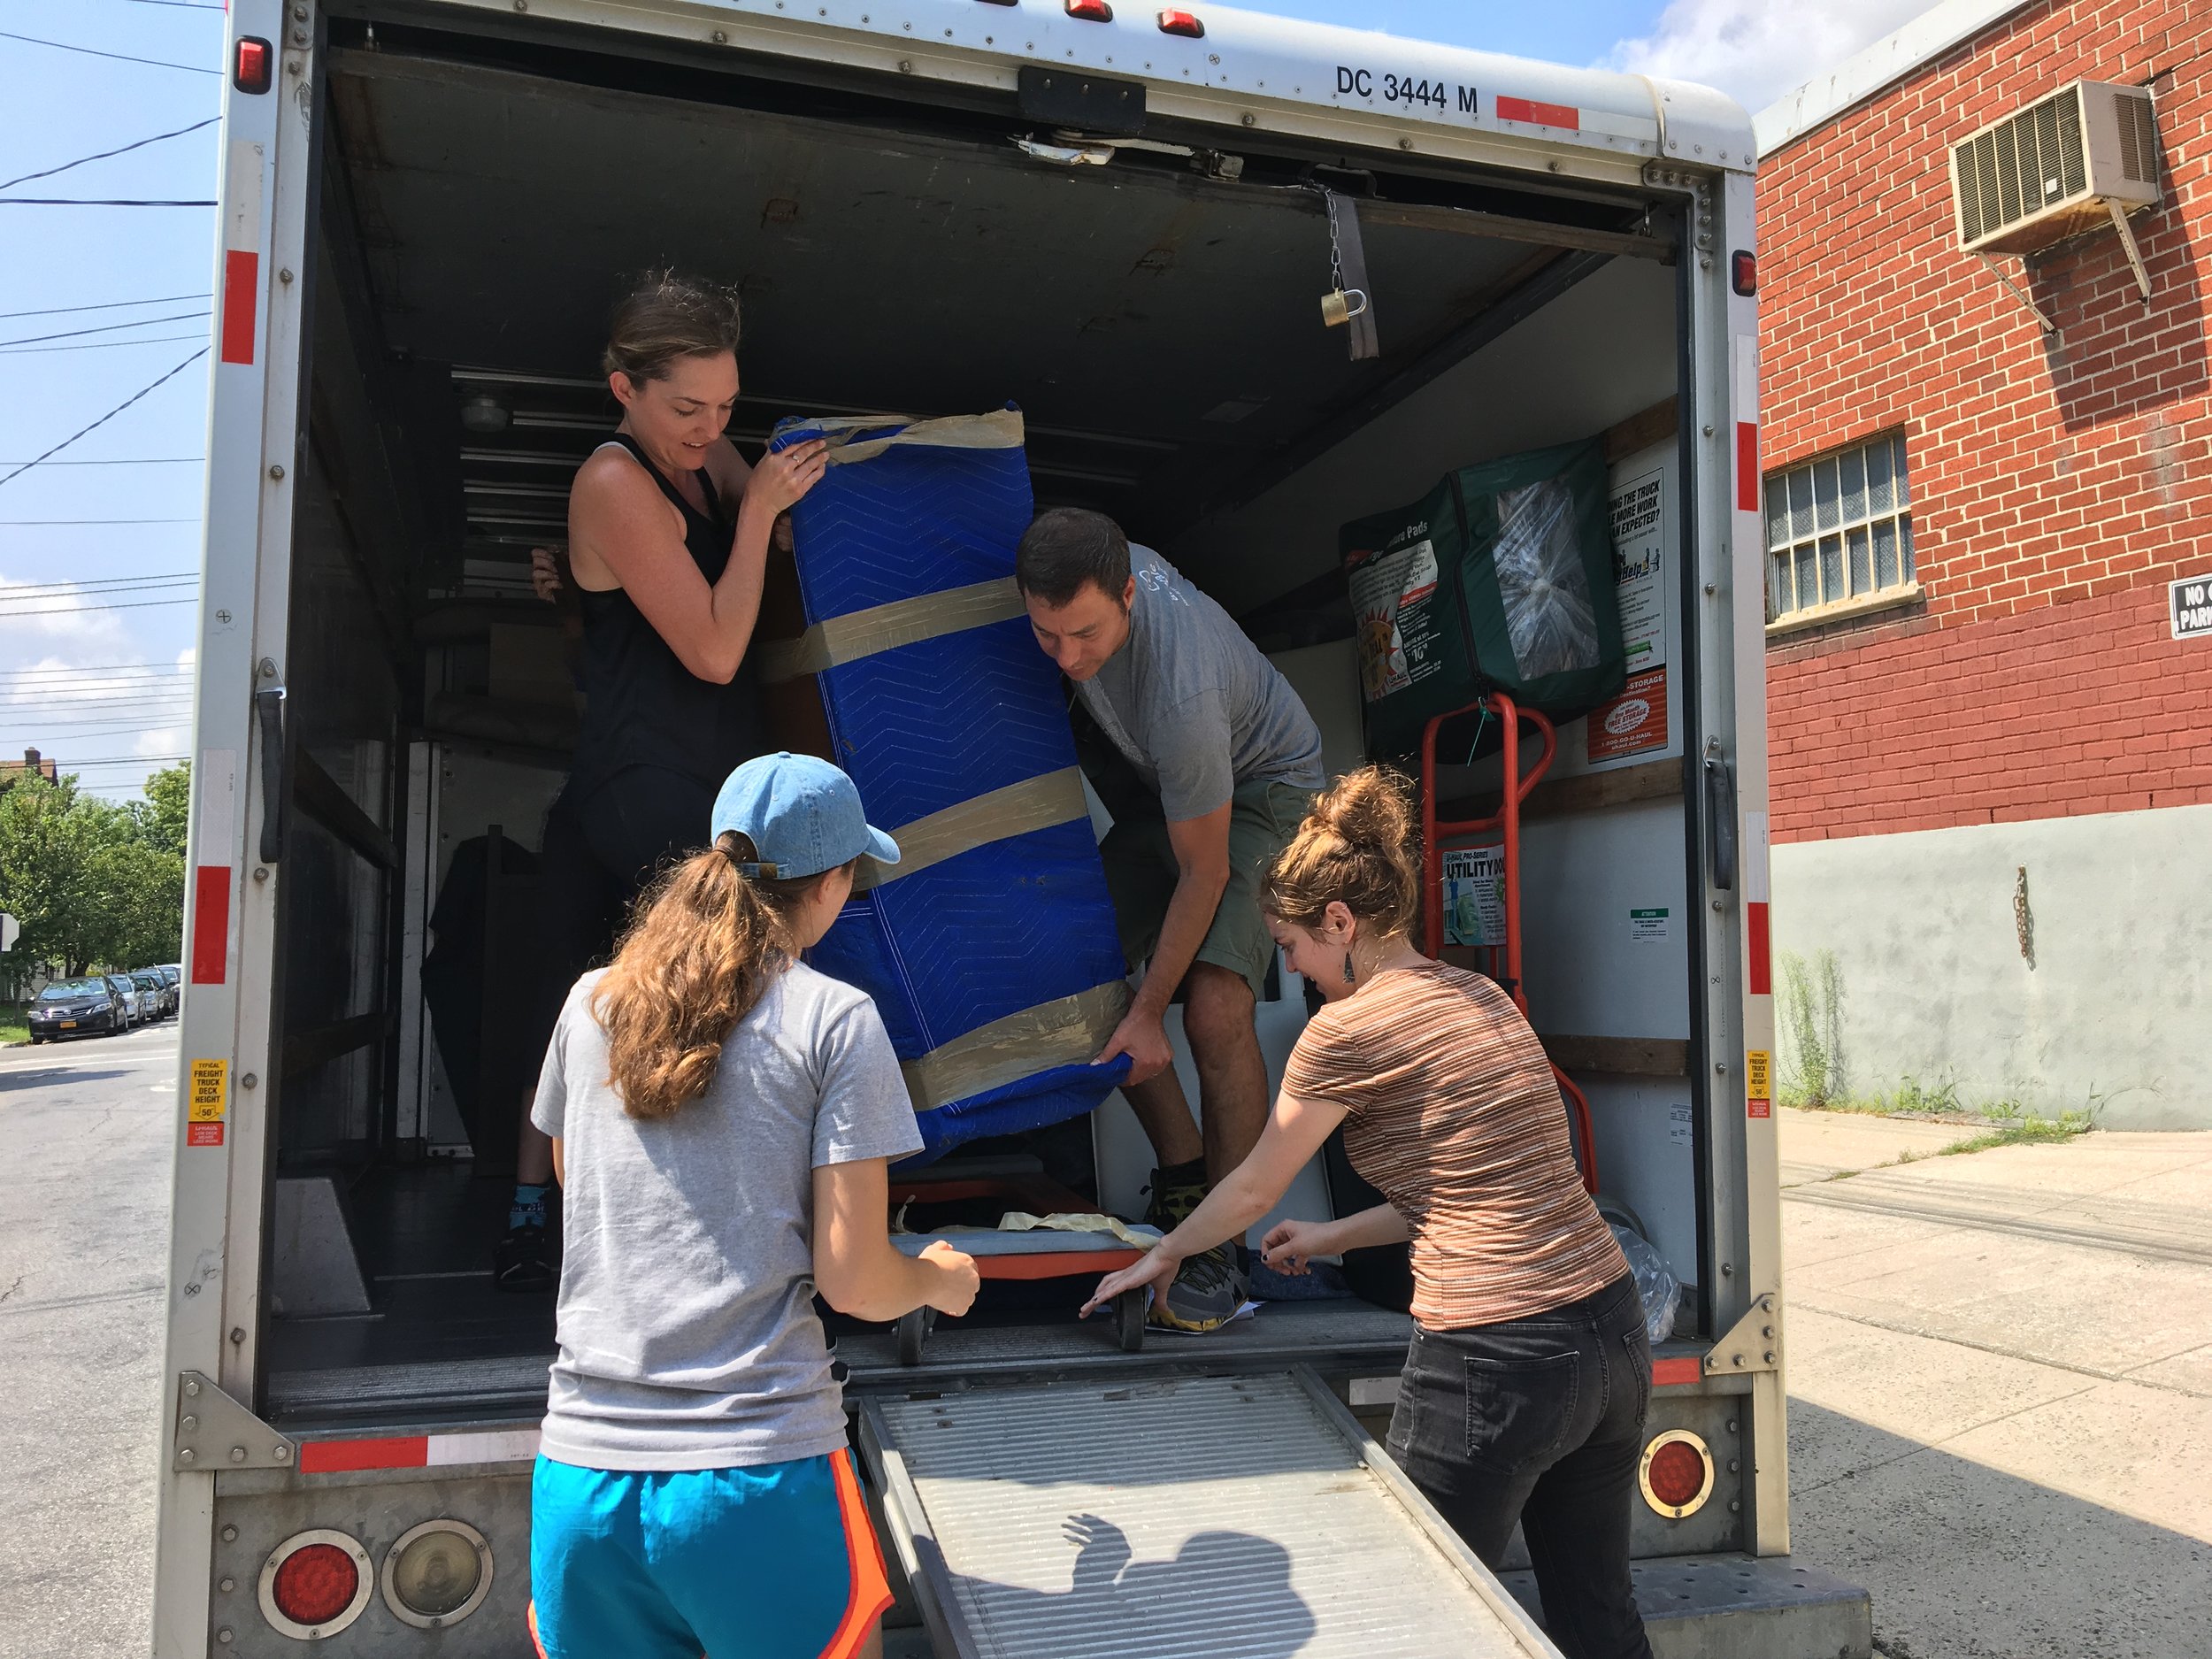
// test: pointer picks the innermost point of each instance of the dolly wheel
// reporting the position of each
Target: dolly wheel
(914, 1330)
(1129, 1320)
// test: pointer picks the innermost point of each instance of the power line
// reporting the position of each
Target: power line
(109, 306)
(185, 5)
(103, 668)
(111, 414)
(102, 584)
(63, 46)
(103, 328)
(103, 345)
(116, 760)
(7, 587)
(140, 605)
(79, 201)
(105, 154)
(121, 460)
(76, 521)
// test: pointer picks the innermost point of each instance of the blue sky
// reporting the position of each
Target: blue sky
(94, 651)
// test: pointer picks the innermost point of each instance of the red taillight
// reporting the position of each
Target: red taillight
(254, 64)
(1091, 11)
(1182, 23)
(1743, 272)
(1676, 1473)
(316, 1584)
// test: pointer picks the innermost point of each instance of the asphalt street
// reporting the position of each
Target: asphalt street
(84, 1216)
(2001, 1371)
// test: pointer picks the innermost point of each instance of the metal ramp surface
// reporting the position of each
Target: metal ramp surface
(1232, 1517)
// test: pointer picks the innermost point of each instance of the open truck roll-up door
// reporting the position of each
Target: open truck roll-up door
(1289, 1529)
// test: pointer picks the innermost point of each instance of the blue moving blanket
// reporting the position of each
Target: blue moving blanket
(991, 947)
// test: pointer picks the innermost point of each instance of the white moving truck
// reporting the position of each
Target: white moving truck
(1121, 219)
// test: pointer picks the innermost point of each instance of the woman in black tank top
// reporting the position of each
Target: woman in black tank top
(668, 541)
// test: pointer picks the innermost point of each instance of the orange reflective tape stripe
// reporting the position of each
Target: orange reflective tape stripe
(536, 1641)
(871, 1591)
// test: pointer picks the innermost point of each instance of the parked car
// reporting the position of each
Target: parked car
(172, 974)
(76, 1008)
(134, 1011)
(160, 1000)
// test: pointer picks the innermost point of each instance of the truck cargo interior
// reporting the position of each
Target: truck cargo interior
(1151, 307)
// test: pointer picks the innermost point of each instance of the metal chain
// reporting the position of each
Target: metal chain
(1336, 253)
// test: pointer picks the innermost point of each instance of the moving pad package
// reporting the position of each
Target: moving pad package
(990, 948)
(1501, 578)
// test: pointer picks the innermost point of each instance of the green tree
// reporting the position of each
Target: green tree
(160, 819)
(47, 843)
(94, 885)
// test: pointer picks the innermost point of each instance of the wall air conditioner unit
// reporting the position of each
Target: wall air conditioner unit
(2085, 156)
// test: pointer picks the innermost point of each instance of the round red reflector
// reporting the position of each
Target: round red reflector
(1677, 1473)
(316, 1584)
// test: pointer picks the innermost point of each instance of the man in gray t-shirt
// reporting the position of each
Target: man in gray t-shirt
(1222, 758)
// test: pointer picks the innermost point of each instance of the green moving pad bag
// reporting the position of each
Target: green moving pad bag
(1500, 578)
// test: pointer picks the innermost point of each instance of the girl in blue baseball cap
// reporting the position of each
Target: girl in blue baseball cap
(722, 1118)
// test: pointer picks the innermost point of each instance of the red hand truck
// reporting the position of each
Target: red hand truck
(1501, 961)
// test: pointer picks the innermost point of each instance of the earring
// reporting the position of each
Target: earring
(1348, 979)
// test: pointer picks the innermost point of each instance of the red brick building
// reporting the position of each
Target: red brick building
(1974, 520)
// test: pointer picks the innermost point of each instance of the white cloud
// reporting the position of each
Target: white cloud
(1755, 50)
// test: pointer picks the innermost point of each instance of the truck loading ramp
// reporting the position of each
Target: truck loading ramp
(1234, 1517)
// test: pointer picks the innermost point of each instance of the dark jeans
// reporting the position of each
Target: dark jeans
(1540, 1420)
(601, 851)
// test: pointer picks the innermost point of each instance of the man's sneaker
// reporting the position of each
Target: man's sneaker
(522, 1262)
(1211, 1286)
(1206, 1294)
(1175, 1193)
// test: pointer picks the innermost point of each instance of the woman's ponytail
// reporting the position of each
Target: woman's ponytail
(1360, 847)
(703, 947)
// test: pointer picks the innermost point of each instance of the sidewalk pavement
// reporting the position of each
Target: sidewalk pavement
(2000, 1377)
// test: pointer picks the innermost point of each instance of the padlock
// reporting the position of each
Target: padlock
(1337, 307)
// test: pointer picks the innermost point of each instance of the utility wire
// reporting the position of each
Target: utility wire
(103, 328)
(105, 154)
(91, 585)
(106, 669)
(111, 414)
(185, 5)
(128, 460)
(109, 306)
(63, 46)
(51, 522)
(103, 345)
(76, 201)
(140, 605)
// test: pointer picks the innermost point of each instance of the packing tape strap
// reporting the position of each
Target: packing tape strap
(858, 634)
(1067, 1031)
(847, 440)
(1034, 803)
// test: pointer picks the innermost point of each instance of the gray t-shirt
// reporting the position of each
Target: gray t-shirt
(1192, 703)
(687, 1334)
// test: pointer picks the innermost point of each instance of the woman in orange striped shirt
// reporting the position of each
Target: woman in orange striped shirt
(1524, 1394)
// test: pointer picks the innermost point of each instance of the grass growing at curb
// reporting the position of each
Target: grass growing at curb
(15, 1024)
(2023, 1132)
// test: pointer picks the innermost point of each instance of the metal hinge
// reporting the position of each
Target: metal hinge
(1754, 1343)
(215, 1432)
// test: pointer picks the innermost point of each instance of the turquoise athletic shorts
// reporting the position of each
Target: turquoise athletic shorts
(775, 1561)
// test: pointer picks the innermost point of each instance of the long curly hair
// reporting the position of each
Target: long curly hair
(703, 947)
(1360, 845)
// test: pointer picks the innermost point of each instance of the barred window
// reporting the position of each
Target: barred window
(1839, 528)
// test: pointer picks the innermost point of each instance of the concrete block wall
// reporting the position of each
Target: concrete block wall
(2059, 481)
